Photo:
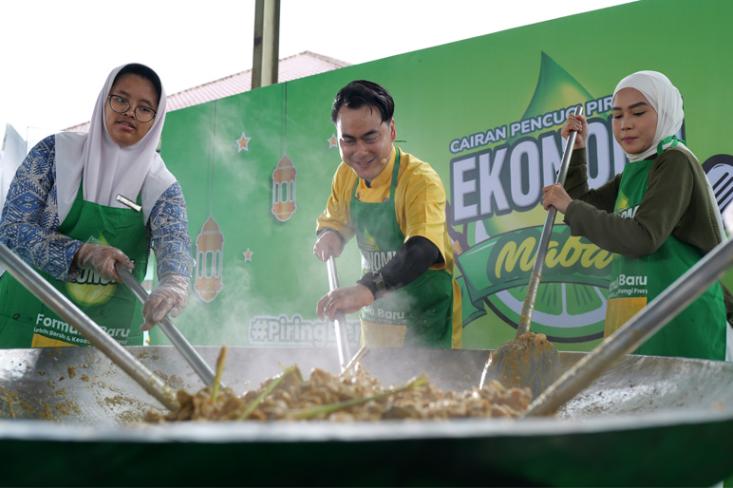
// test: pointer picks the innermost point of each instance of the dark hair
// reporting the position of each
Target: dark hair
(143, 71)
(362, 92)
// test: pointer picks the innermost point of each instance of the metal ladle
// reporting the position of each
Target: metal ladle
(66, 309)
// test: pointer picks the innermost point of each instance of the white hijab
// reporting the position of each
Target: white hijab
(108, 169)
(664, 98)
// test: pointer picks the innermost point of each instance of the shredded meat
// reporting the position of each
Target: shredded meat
(355, 397)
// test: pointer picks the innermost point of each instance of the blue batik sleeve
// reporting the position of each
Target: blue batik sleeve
(169, 232)
(30, 221)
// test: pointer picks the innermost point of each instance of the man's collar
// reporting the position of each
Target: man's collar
(383, 178)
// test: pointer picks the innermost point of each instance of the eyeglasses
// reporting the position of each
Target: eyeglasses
(121, 105)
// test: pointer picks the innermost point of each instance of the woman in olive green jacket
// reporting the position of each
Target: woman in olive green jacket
(659, 216)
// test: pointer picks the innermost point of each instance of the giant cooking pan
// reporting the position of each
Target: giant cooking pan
(70, 417)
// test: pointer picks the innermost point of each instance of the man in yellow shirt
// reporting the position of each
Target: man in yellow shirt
(395, 205)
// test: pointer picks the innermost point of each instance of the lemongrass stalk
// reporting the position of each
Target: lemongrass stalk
(311, 412)
(219, 371)
(267, 390)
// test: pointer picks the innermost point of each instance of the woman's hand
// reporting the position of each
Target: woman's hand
(102, 259)
(579, 124)
(556, 196)
(170, 296)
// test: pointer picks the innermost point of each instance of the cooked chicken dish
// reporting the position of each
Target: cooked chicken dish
(357, 396)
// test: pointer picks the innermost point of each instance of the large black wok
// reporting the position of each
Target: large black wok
(70, 417)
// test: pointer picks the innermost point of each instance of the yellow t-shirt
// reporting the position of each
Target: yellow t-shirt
(419, 207)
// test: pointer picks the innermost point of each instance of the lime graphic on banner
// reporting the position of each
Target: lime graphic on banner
(555, 88)
(501, 231)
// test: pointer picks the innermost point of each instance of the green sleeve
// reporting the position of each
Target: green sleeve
(656, 218)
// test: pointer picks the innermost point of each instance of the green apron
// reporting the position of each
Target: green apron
(26, 322)
(697, 332)
(419, 314)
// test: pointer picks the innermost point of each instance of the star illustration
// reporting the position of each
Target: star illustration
(333, 142)
(243, 143)
(248, 255)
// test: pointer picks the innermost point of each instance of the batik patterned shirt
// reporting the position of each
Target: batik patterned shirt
(30, 221)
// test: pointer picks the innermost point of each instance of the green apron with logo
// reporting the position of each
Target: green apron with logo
(419, 314)
(26, 322)
(697, 332)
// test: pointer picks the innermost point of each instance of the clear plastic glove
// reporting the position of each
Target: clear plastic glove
(102, 259)
(170, 296)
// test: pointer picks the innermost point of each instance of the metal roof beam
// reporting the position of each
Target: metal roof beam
(266, 43)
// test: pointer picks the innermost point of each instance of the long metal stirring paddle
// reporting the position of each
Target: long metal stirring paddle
(638, 329)
(523, 361)
(525, 318)
(174, 335)
(66, 309)
(342, 344)
(178, 340)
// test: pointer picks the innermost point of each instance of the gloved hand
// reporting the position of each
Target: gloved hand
(102, 259)
(169, 297)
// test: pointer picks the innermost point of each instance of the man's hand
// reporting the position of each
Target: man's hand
(328, 244)
(102, 259)
(344, 300)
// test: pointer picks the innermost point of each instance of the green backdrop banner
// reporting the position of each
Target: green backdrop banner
(485, 112)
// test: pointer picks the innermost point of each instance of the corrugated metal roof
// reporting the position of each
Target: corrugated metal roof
(290, 68)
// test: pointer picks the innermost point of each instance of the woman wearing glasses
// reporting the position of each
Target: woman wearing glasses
(81, 204)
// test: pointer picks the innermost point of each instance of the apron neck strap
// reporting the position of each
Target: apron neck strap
(666, 143)
(395, 172)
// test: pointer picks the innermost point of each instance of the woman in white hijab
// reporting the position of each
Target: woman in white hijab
(81, 204)
(658, 216)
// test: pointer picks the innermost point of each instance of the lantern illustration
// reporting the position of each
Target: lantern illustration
(209, 261)
(283, 190)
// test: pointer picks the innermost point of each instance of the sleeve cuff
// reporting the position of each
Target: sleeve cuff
(323, 230)
(574, 215)
(370, 281)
